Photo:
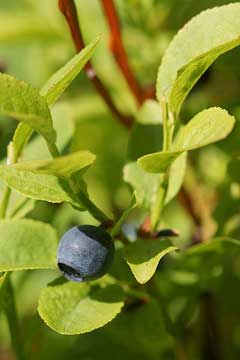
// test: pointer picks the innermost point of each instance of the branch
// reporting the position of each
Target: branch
(68, 9)
(118, 50)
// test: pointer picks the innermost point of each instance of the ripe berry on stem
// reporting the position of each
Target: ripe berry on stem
(85, 253)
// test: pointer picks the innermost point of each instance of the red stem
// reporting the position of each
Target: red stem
(68, 9)
(118, 50)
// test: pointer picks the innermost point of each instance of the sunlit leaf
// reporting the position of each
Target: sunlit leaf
(64, 166)
(24, 103)
(37, 185)
(76, 308)
(190, 53)
(205, 128)
(143, 257)
(27, 244)
(56, 85)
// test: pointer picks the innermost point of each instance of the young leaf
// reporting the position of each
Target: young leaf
(190, 53)
(143, 257)
(206, 127)
(37, 149)
(56, 85)
(38, 186)
(76, 308)
(158, 162)
(24, 103)
(146, 184)
(53, 89)
(21, 136)
(64, 166)
(27, 244)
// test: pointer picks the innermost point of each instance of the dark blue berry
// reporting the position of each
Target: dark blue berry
(85, 253)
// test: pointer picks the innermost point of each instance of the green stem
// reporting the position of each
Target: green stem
(165, 124)
(83, 199)
(4, 202)
(168, 128)
(53, 150)
(88, 204)
(14, 212)
(137, 294)
(13, 323)
(11, 159)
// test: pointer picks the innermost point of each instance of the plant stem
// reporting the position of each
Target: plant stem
(138, 294)
(89, 205)
(118, 50)
(83, 199)
(53, 150)
(68, 9)
(4, 202)
(168, 127)
(13, 322)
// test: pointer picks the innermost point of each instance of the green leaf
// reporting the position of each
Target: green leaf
(57, 84)
(139, 333)
(125, 214)
(206, 127)
(190, 53)
(144, 184)
(211, 263)
(53, 89)
(219, 246)
(63, 121)
(64, 166)
(158, 162)
(24, 103)
(27, 244)
(176, 176)
(143, 257)
(38, 186)
(21, 136)
(76, 308)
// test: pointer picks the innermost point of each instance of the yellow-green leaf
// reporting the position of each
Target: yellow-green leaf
(64, 166)
(190, 53)
(143, 257)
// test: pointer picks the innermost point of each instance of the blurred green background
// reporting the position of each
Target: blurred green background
(34, 43)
